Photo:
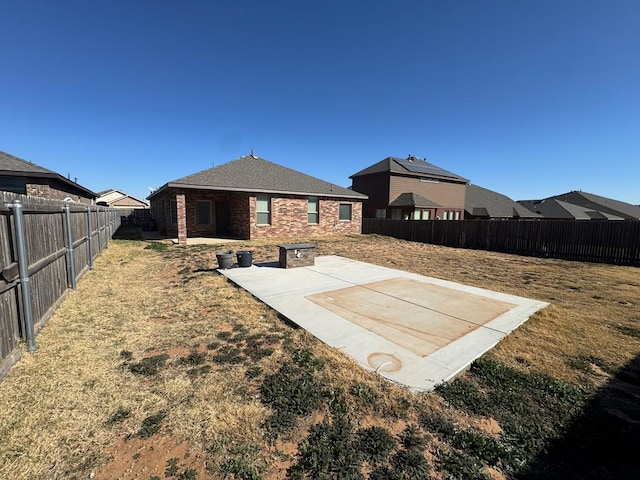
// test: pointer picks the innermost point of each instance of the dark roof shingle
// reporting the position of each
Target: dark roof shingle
(410, 199)
(10, 165)
(254, 174)
(409, 166)
(482, 202)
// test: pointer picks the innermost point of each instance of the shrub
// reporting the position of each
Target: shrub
(151, 425)
(149, 366)
(375, 443)
(411, 437)
(411, 464)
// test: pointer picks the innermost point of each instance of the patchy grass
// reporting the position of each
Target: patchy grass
(158, 367)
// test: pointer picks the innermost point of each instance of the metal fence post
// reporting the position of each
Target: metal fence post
(71, 261)
(23, 268)
(89, 238)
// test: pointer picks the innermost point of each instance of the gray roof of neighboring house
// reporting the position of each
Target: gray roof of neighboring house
(411, 199)
(554, 208)
(409, 166)
(254, 174)
(482, 202)
(10, 165)
(602, 204)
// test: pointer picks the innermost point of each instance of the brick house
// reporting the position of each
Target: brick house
(410, 188)
(253, 198)
(20, 176)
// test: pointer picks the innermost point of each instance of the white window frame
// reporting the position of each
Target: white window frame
(313, 210)
(263, 199)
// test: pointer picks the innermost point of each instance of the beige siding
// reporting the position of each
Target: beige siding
(447, 194)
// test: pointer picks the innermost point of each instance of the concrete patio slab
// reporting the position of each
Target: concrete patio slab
(415, 330)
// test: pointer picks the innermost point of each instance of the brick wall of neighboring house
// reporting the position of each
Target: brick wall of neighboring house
(289, 218)
(46, 188)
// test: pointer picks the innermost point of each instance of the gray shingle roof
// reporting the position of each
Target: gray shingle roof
(482, 202)
(13, 164)
(602, 204)
(10, 165)
(409, 166)
(411, 199)
(254, 174)
(554, 208)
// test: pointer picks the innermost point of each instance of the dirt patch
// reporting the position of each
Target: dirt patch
(145, 458)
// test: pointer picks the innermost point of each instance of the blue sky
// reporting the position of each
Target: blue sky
(528, 98)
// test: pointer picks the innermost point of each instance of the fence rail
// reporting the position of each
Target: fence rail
(45, 247)
(614, 242)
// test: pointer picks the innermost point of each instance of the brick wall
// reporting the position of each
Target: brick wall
(288, 215)
(289, 218)
(37, 188)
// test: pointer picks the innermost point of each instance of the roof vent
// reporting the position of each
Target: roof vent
(253, 154)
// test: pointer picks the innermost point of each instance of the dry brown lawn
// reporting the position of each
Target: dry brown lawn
(78, 409)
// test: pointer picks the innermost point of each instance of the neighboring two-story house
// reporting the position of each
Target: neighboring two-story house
(410, 188)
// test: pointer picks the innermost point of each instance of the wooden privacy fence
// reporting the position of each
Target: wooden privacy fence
(45, 247)
(604, 241)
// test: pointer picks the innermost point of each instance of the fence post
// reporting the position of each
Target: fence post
(89, 238)
(107, 228)
(71, 261)
(23, 268)
(98, 229)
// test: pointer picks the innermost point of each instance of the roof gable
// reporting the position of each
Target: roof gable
(254, 174)
(115, 196)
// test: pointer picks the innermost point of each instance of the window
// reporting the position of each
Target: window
(14, 185)
(345, 211)
(203, 212)
(173, 207)
(421, 214)
(313, 209)
(381, 213)
(396, 214)
(457, 214)
(263, 210)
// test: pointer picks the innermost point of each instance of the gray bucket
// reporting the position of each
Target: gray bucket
(245, 258)
(225, 259)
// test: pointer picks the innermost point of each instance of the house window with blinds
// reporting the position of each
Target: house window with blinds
(313, 210)
(263, 210)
